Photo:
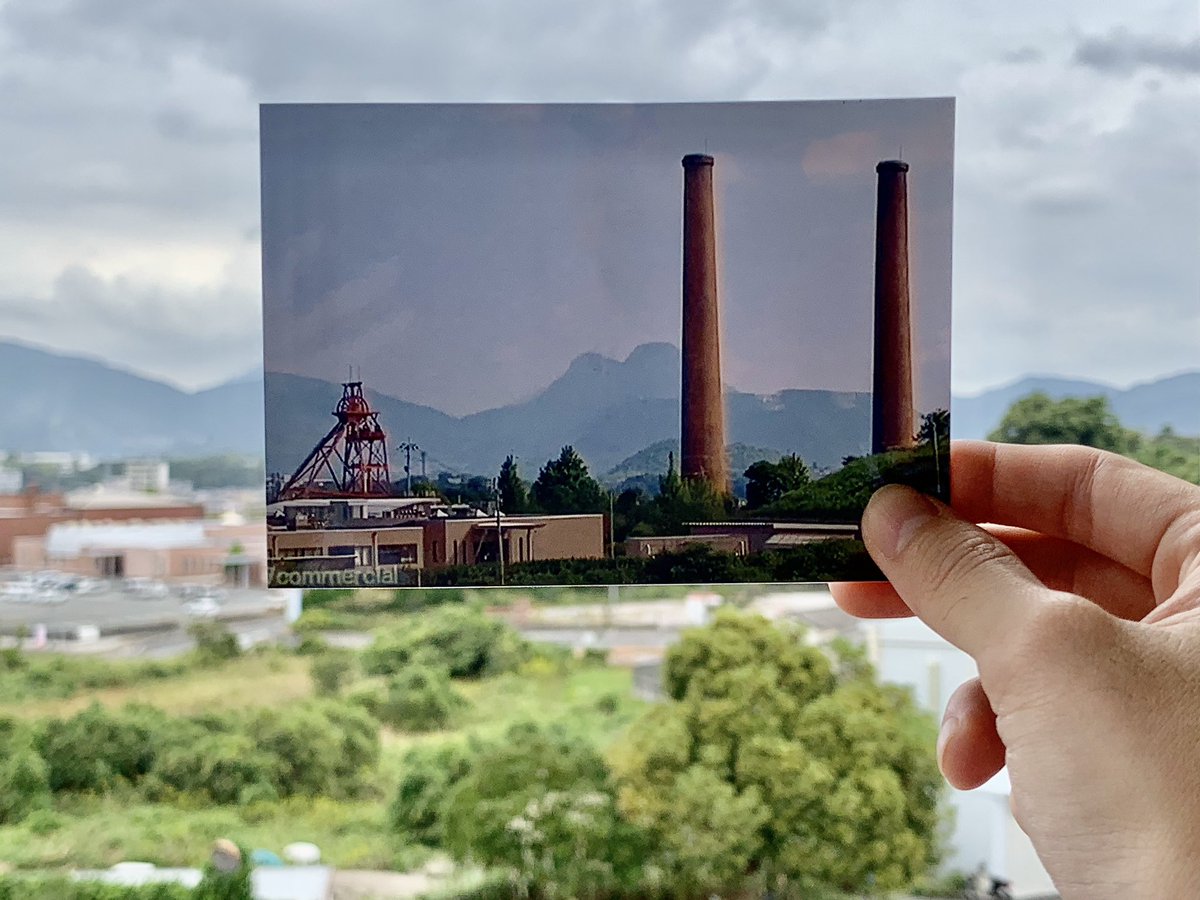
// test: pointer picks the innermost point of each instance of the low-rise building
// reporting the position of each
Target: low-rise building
(31, 512)
(190, 550)
(405, 536)
(740, 538)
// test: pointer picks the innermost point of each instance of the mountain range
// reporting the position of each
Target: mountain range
(608, 409)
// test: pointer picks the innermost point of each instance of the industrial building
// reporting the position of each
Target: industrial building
(741, 538)
(392, 540)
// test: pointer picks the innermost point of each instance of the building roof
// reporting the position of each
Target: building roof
(66, 539)
(778, 526)
(100, 496)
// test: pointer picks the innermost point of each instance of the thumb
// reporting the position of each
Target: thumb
(960, 580)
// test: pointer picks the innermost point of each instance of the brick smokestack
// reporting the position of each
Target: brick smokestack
(892, 424)
(703, 406)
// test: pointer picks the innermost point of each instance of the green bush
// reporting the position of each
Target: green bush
(24, 782)
(419, 698)
(96, 749)
(539, 804)
(330, 671)
(318, 748)
(215, 643)
(23, 887)
(428, 774)
(222, 767)
(313, 620)
(463, 641)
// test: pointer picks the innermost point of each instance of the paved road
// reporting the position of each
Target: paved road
(113, 610)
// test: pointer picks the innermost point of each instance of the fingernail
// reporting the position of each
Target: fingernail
(893, 516)
(946, 734)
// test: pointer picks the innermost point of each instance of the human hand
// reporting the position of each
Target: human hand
(1080, 604)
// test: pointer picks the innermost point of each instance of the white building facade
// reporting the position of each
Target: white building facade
(908, 652)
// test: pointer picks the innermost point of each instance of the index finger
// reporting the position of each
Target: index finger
(1117, 507)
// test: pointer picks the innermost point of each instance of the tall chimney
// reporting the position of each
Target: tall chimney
(892, 424)
(703, 406)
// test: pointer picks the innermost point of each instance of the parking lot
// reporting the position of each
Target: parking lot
(114, 607)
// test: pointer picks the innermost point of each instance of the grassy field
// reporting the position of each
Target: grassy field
(267, 679)
(95, 832)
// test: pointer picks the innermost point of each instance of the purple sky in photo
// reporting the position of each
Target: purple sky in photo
(462, 256)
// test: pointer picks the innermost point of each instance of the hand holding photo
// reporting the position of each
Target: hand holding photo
(483, 366)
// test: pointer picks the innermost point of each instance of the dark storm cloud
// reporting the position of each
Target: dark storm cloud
(463, 256)
(1122, 52)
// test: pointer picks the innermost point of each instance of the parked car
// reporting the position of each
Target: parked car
(202, 608)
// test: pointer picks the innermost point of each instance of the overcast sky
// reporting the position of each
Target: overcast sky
(129, 203)
(463, 256)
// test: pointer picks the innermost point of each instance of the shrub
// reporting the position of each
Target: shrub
(220, 766)
(317, 748)
(428, 774)
(24, 783)
(463, 641)
(420, 698)
(313, 620)
(330, 671)
(539, 804)
(96, 749)
(23, 887)
(214, 642)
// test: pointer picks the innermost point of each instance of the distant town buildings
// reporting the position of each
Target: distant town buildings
(11, 480)
(191, 550)
(31, 512)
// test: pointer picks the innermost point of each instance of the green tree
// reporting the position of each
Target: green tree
(514, 495)
(1037, 419)
(539, 804)
(786, 767)
(564, 486)
(766, 481)
(935, 425)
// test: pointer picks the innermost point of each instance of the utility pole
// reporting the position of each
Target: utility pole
(408, 447)
(423, 477)
(499, 532)
(612, 541)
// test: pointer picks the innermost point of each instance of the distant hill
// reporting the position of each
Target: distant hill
(1173, 401)
(50, 401)
(608, 410)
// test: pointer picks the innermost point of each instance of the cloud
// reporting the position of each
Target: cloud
(1122, 52)
(128, 147)
(189, 337)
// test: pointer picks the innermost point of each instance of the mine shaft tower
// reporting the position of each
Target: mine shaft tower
(351, 460)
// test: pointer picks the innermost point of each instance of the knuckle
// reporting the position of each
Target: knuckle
(1063, 625)
(951, 571)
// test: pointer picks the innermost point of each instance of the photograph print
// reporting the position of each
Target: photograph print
(598, 344)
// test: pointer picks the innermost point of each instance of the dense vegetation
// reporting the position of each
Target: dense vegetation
(539, 766)
(1037, 419)
(770, 763)
(829, 560)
